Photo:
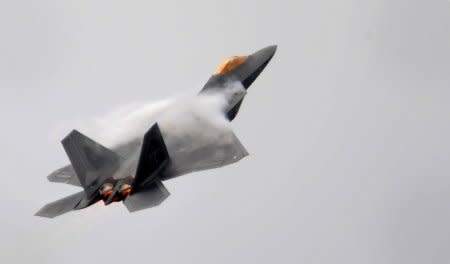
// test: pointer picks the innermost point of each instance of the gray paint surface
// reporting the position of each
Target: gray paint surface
(348, 129)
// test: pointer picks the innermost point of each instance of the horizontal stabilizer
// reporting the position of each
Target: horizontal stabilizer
(65, 175)
(147, 197)
(62, 206)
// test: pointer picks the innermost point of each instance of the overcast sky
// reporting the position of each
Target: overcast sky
(347, 128)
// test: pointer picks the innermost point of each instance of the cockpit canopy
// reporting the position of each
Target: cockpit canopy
(230, 64)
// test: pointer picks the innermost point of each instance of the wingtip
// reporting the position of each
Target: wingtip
(41, 213)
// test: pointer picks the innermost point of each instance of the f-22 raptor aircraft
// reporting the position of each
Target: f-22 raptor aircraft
(133, 173)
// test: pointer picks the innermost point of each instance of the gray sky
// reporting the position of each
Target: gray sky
(347, 129)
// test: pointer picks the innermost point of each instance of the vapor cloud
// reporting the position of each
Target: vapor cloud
(196, 118)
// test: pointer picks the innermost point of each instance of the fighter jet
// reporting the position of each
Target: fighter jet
(133, 173)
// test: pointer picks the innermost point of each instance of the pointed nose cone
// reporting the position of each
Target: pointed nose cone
(244, 69)
(255, 64)
(266, 53)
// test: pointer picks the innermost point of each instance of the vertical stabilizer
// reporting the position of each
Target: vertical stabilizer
(92, 162)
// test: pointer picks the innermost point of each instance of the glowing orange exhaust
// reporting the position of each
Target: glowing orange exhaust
(125, 190)
(107, 193)
(106, 190)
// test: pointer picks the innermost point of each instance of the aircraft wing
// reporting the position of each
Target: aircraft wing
(194, 154)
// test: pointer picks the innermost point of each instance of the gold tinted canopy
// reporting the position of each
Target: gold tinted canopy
(230, 64)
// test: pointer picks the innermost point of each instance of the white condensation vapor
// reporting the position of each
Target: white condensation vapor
(199, 117)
